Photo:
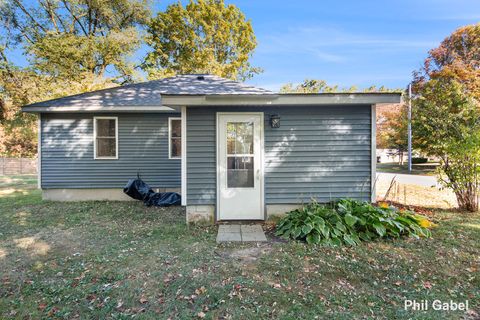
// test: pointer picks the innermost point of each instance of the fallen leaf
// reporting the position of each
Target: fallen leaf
(200, 290)
(91, 297)
(201, 315)
(52, 311)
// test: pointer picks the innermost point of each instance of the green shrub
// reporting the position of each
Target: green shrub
(419, 160)
(350, 222)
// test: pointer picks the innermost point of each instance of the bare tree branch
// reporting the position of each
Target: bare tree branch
(20, 5)
(75, 17)
(48, 9)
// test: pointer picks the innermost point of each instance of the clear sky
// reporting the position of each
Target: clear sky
(345, 42)
(350, 42)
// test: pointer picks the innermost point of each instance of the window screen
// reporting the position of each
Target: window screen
(175, 137)
(106, 139)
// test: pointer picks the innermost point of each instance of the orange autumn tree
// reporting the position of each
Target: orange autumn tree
(446, 113)
(457, 58)
(392, 124)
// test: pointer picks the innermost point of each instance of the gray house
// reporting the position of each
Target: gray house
(233, 152)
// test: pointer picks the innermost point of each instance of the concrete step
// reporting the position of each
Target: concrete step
(240, 233)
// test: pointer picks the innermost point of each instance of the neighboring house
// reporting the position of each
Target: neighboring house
(390, 156)
(233, 151)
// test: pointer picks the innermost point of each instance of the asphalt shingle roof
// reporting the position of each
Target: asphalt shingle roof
(149, 93)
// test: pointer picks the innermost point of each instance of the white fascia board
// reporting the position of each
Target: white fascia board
(284, 99)
(110, 109)
(173, 103)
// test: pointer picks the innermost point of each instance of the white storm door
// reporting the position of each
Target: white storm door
(240, 166)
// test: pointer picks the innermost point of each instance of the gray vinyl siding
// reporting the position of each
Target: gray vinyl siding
(201, 156)
(320, 152)
(67, 152)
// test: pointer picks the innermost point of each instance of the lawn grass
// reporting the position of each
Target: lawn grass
(416, 195)
(425, 169)
(118, 260)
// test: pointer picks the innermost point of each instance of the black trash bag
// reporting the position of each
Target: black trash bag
(164, 199)
(139, 190)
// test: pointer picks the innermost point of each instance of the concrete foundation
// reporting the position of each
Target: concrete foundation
(205, 214)
(201, 214)
(277, 211)
(197, 214)
(92, 194)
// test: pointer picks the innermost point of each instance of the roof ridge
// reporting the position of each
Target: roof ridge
(150, 91)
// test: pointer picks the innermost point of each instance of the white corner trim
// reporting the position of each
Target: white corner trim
(39, 151)
(184, 155)
(217, 161)
(374, 153)
(95, 138)
(170, 137)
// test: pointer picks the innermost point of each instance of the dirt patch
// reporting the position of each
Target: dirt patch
(270, 234)
(66, 241)
(245, 255)
(52, 240)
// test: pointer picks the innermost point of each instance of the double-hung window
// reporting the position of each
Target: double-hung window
(106, 137)
(174, 138)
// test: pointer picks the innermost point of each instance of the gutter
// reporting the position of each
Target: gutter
(173, 103)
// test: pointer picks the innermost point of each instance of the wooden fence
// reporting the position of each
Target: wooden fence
(12, 166)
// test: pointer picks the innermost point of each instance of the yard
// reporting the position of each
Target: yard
(427, 169)
(117, 260)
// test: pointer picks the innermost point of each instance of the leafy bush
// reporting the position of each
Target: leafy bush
(350, 222)
(419, 160)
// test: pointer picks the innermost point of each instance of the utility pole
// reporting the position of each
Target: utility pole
(410, 127)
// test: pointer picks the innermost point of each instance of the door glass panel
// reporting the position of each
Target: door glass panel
(240, 142)
(240, 172)
(239, 137)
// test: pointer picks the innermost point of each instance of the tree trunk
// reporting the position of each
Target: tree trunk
(467, 198)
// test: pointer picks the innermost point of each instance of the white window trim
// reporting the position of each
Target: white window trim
(170, 137)
(95, 138)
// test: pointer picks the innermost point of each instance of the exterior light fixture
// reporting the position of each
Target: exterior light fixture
(275, 121)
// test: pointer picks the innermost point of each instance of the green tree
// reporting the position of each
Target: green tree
(71, 38)
(72, 45)
(314, 86)
(446, 111)
(321, 86)
(447, 126)
(205, 36)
